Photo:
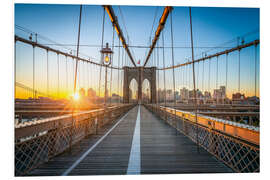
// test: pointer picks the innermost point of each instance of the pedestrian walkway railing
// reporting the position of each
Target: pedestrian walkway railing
(38, 141)
(235, 145)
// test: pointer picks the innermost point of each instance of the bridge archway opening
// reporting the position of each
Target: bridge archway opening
(146, 91)
(133, 91)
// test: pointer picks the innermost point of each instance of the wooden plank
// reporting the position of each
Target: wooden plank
(162, 151)
(109, 157)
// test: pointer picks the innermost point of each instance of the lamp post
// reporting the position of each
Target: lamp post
(106, 56)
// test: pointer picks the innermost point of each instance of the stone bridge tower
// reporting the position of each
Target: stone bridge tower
(139, 74)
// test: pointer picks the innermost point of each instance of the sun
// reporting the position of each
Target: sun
(76, 96)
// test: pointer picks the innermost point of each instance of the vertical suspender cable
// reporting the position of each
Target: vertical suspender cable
(57, 75)
(209, 72)
(174, 94)
(154, 65)
(34, 72)
(89, 69)
(82, 75)
(239, 71)
(66, 77)
(164, 73)
(73, 69)
(86, 78)
(194, 83)
(101, 54)
(197, 85)
(78, 45)
(203, 78)
(111, 68)
(217, 74)
(87, 75)
(158, 72)
(226, 72)
(122, 78)
(183, 76)
(47, 72)
(75, 76)
(217, 81)
(79, 76)
(118, 88)
(255, 70)
(90, 75)
(15, 59)
(189, 82)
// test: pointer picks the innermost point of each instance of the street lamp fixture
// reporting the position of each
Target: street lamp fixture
(106, 57)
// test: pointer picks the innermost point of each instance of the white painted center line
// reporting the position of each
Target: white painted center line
(134, 164)
(92, 147)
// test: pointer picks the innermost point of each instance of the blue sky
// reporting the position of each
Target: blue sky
(211, 27)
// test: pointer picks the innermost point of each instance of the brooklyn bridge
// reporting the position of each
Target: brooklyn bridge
(177, 109)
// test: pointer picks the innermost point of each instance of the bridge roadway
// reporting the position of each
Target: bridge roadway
(137, 143)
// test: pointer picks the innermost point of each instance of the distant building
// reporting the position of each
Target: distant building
(223, 91)
(115, 97)
(199, 94)
(169, 95)
(253, 100)
(161, 95)
(184, 93)
(91, 93)
(219, 94)
(191, 94)
(207, 95)
(177, 97)
(238, 96)
(82, 92)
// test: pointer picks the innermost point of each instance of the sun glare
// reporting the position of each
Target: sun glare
(76, 96)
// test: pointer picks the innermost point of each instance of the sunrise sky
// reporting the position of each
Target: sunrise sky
(212, 27)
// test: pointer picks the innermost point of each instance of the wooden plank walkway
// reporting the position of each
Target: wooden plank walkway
(165, 151)
(161, 151)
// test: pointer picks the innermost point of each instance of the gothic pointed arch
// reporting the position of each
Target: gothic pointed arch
(139, 74)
